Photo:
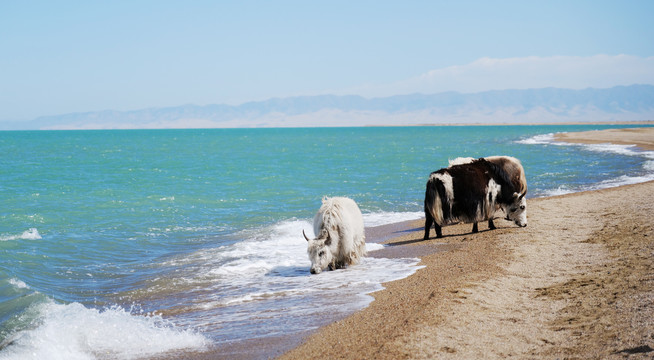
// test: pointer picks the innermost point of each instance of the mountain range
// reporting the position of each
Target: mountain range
(546, 105)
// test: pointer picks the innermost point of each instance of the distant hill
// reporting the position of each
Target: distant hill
(620, 103)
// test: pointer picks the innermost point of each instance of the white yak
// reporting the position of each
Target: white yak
(340, 239)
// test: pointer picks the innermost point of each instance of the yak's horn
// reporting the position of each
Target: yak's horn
(305, 235)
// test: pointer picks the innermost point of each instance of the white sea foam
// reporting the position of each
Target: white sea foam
(373, 247)
(561, 190)
(625, 150)
(31, 234)
(18, 283)
(383, 218)
(541, 139)
(548, 139)
(277, 248)
(605, 184)
(261, 285)
(622, 180)
(649, 165)
(73, 331)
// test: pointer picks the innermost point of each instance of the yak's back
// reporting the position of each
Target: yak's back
(338, 214)
(342, 219)
(510, 165)
(513, 167)
(469, 177)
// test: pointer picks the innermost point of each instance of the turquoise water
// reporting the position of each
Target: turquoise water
(194, 236)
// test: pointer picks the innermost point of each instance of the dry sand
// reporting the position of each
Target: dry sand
(578, 282)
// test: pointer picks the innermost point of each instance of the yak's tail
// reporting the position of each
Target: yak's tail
(434, 195)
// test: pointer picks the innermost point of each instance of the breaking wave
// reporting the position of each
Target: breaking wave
(72, 331)
(31, 234)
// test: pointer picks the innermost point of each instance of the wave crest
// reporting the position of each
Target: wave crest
(31, 234)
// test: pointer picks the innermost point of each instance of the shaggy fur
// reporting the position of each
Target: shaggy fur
(514, 169)
(471, 192)
(512, 166)
(516, 173)
(340, 238)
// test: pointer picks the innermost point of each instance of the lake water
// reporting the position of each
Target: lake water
(135, 243)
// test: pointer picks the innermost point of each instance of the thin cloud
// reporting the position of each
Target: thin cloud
(571, 72)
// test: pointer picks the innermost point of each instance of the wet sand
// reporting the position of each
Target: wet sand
(578, 282)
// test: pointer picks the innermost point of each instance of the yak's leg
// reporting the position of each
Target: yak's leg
(491, 225)
(429, 221)
(475, 229)
(439, 232)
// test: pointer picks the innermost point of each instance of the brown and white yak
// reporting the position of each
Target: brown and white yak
(340, 238)
(471, 190)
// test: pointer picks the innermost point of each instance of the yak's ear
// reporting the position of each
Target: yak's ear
(328, 241)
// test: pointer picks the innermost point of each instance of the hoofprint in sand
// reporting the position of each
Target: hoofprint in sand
(578, 282)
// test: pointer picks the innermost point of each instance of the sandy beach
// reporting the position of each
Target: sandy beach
(577, 282)
(641, 137)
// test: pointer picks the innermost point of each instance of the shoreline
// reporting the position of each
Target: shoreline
(272, 347)
(630, 122)
(577, 301)
(590, 296)
(640, 137)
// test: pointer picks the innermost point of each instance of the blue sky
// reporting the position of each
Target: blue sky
(75, 56)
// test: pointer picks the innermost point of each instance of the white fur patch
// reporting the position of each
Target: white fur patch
(492, 191)
(437, 207)
(446, 179)
(461, 161)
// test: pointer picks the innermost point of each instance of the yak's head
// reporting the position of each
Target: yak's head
(319, 252)
(516, 211)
